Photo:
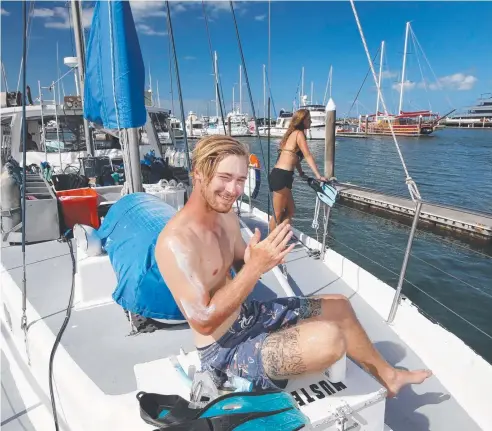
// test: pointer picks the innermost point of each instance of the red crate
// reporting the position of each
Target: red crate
(79, 206)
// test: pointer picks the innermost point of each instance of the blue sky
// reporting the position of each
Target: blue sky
(455, 38)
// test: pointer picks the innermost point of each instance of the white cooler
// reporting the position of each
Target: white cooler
(172, 195)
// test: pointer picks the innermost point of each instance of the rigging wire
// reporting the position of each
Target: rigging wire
(480, 290)
(268, 161)
(178, 83)
(431, 69)
(362, 85)
(24, 172)
(450, 243)
(414, 285)
(420, 66)
(171, 75)
(412, 186)
(269, 42)
(251, 100)
(216, 72)
(27, 35)
(271, 96)
(297, 89)
(221, 101)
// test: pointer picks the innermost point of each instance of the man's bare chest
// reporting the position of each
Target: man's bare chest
(216, 257)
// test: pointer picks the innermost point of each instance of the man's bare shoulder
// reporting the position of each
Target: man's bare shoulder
(176, 230)
(232, 220)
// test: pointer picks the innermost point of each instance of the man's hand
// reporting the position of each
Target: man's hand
(270, 252)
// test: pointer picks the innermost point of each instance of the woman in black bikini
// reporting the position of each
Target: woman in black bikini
(293, 149)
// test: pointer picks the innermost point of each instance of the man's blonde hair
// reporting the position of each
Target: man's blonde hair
(211, 150)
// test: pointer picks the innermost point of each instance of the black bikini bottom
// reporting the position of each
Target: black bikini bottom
(280, 178)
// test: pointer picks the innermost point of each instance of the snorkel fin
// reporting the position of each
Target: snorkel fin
(245, 411)
(326, 192)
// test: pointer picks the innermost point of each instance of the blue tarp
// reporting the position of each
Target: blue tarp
(116, 74)
(129, 235)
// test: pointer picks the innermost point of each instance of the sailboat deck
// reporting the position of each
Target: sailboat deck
(97, 338)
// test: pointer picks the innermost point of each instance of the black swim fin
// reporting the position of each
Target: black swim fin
(256, 411)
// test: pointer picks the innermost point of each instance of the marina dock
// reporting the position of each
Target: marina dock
(475, 224)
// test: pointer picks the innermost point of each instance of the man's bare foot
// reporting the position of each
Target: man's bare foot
(396, 379)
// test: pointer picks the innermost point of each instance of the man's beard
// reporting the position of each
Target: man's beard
(212, 203)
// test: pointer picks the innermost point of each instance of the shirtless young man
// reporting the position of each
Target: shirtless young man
(266, 343)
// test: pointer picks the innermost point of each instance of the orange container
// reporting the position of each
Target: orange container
(79, 206)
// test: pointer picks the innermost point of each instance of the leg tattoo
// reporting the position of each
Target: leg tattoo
(281, 354)
(310, 307)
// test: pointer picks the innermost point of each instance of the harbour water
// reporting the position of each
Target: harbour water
(452, 167)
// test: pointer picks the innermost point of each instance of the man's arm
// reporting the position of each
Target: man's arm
(180, 268)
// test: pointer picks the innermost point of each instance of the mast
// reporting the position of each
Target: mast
(217, 86)
(240, 89)
(158, 95)
(53, 86)
(233, 97)
(328, 84)
(264, 93)
(403, 68)
(312, 91)
(150, 87)
(331, 78)
(4, 76)
(43, 135)
(80, 50)
(57, 71)
(302, 87)
(380, 76)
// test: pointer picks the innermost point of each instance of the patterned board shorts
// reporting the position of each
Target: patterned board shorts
(238, 351)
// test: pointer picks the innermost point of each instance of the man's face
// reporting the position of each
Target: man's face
(226, 185)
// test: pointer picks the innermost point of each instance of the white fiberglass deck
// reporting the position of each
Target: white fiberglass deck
(97, 338)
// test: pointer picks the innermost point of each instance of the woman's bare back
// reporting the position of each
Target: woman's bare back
(290, 153)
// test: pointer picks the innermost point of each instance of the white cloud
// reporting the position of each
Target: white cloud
(58, 17)
(147, 9)
(4, 12)
(213, 8)
(389, 74)
(87, 16)
(43, 12)
(407, 85)
(189, 57)
(142, 10)
(179, 7)
(457, 81)
(208, 18)
(149, 31)
(260, 17)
